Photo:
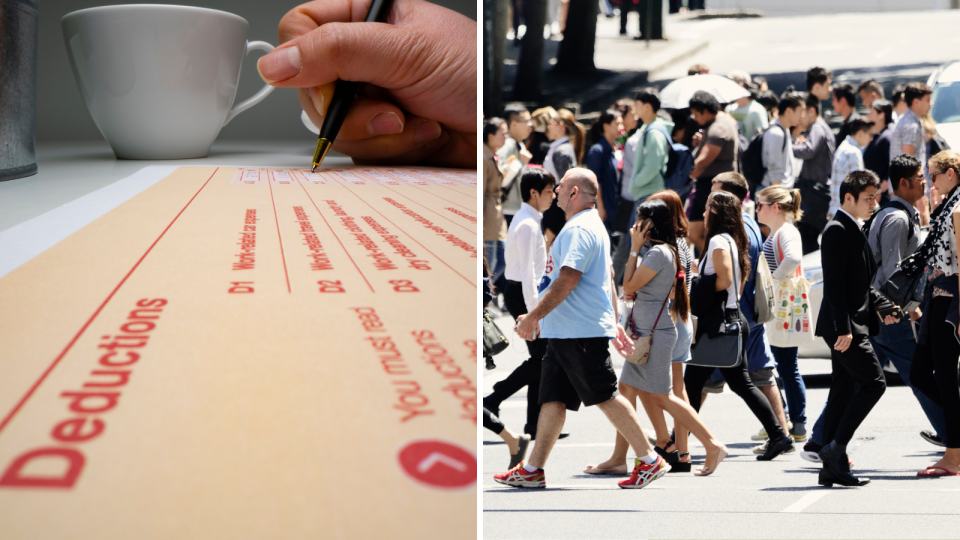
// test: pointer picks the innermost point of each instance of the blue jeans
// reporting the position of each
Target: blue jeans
(793, 387)
(493, 249)
(896, 343)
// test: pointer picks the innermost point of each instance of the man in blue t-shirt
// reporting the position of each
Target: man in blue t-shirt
(577, 313)
(760, 362)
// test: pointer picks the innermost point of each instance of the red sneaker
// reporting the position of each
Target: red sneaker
(519, 477)
(644, 474)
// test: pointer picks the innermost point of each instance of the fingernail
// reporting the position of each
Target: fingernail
(386, 124)
(319, 101)
(280, 64)
(427, 131)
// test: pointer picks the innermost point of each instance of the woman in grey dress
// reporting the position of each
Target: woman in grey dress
(658, 277)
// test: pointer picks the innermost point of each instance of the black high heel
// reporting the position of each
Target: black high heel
(670, 457)
(681, 466)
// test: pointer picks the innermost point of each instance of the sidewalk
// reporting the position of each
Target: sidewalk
(623, 64)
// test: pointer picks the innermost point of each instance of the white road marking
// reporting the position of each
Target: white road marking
(804, 502)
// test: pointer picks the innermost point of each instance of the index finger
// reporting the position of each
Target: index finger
(305, 18)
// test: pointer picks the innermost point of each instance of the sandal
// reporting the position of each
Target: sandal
(937, 472)
(670, 457)
(681, 466)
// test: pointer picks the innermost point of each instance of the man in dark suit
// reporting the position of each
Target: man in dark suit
(848, 316)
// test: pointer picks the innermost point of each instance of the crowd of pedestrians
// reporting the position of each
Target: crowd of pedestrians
(661, 230)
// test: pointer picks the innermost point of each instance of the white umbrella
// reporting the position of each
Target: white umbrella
(677, 94)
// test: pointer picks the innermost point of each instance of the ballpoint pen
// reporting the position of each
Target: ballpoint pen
(343, 94)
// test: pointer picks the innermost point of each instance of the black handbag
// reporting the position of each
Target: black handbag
(725, 350)
(905, 286)
(494, 342)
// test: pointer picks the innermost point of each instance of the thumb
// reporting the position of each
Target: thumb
(384, 55)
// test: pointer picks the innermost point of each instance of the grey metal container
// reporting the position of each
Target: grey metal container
(18, 88)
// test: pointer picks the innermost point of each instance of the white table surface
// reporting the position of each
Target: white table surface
(70, 170)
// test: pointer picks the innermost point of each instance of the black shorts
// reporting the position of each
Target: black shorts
(578, 370)
(699, 205)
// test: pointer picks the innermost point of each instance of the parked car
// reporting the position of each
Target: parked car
(945, 82)
(813, 271)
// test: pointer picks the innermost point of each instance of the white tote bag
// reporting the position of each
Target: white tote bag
(793, 319)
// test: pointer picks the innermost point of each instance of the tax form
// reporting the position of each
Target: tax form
(203, 352)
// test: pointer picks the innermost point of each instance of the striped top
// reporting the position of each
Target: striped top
(686, 260)
(768, 253)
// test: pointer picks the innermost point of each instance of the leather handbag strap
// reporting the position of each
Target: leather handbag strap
(736, 282)
(630, 318)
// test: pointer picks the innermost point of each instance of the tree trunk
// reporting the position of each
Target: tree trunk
(495, 24)
(576, 49)
(530, 65)
(652, 9)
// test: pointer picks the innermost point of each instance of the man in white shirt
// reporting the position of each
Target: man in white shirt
(526, 258)
(778, 144)
(848, 158)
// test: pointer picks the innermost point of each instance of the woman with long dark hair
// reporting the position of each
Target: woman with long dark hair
(681, 351)
(658, 278)
(602, 160)
(725, 237)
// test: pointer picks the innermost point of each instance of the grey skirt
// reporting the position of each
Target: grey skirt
(656, 376)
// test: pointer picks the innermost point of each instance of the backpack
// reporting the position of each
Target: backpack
(866, 225)
(751, 164)
(679, 163)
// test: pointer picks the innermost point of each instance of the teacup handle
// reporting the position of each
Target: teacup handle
(258, 97)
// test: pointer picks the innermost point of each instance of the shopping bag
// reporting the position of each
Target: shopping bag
(793, 324)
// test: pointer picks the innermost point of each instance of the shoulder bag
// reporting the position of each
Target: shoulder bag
(494, 341)
(763, 301)
(642, 344)
(725, 350)
(792, 325)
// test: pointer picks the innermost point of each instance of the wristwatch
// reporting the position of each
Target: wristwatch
(634, 254)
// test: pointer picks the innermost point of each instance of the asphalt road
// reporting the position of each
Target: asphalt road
(873, 41)
(743, 499)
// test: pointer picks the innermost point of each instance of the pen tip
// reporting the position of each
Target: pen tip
(314, 169)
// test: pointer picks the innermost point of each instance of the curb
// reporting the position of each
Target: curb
(683, 54)
(707, 14)
(626, 82)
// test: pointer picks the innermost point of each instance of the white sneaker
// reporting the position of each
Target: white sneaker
(810, 456)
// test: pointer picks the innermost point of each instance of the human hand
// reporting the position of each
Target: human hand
(843, 343)
(621, 343)
(916, 314)
(630, 297)
(697, 137)
(888, 320)
(527, 328)
(419, 100)
(639, 234)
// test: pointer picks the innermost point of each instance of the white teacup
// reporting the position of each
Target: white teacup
(159, 81)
